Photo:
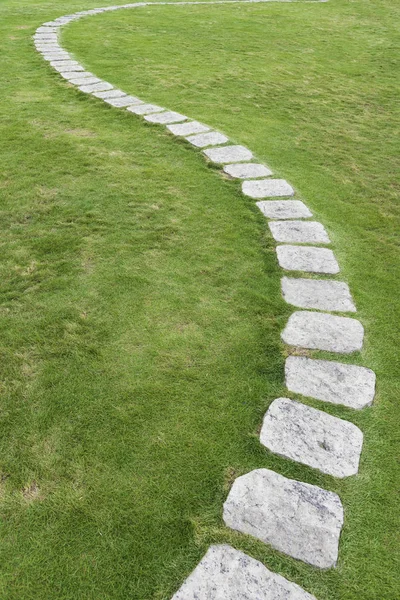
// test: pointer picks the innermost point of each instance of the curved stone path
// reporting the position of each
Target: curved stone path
(301, 520)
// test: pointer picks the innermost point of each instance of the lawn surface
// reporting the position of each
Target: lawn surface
(140, 298)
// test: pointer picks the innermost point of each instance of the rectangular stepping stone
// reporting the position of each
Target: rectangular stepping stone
(96, 87)
(300, 232)
(228, 574)
(56, 56)
(65, 64)
(109, 94)
(87, 80)
(145, 109)
(166, 117)
(307, 258)
(267, 188)
(321, 294)
(43, 48)
(247, 170)
(312, 437)
(330, 381)
(319, 331)
(284, 209)
(46, 29)
(301, 520)
(123, 102)
(67, 68)
(213, 138)
(188, 128)
(228, 154)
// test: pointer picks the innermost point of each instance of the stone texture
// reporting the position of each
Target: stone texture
(96, 87)
(188, 128)
(166, 117)
(43, 48)
(228, 154)
(228, 574)
(307, 258)
(312, 437)
(110, 94)
(284, 209)
(300, 232)
(213, 138)
(301, 520)
(123, 102)
(51, 56)
(87, 80)
(247, 170)
(319, 331)
(145, 109)
(67, 67)
(267, 188)
(330, 381)
(321, 294)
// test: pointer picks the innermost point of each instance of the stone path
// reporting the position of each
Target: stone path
(299, 519)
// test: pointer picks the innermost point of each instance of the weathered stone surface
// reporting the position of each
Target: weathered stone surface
(87, 80)
(302, 520)
(213, 138)
(284, 209)
(317, 293)
(45, 29)
(50, 56)
(312, 437)
(46, 48)
(319, 331)
(166, 117)
(267, 188)
(228, 154)
(188, 128)
(330, 381)
(145, 109)
(301, 232)
(110, 94)
(247, 170)
(227, 574)
(123, 102)
(307, 258)
(67, 68)
(96, 87)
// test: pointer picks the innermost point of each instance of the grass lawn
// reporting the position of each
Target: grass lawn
(140, 294)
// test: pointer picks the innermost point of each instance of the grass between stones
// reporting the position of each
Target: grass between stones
(141, 307)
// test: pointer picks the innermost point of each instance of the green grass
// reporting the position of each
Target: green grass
(140, 306)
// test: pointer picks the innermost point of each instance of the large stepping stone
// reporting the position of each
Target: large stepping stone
(188, 128)
(308, 259)
(228, 574)
(284, 209)
(299, 232)
(168, 116)
(247, 170)
(312, 437)
(145, 109)
(318, 293)
(319, 331)
(267, 188)
(96, 87)
(330, 381)
(301, 520)
(228, 154)
(213, 138)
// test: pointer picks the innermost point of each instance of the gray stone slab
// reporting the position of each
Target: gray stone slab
(301, 520)
(123, 102)
(267, 188)
(301, 232)
(96, 87)
(213, 138)
(284, 209)
(51, 56)
(67, 68)
(145, 109)
(188, 128)
(330, 381)
(46, 30)
(228, 154)
(247, 170)
(319, 331)
(110, 94)
(87, 80)
(43, 48)
(312, 437)
(228, 574)
(308, 259)
(321, 294)
(165, 117)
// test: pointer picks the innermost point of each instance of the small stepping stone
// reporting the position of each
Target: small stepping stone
(123, 102)
(110, 94)
(166, 117)
(308, 232)
(284, 209)
(96, 87)
(301, 520)
(145, 109)
(228, 574)
(86, 80)
(319, 331)
(188, 128)
(247, 170)
(56, 56)
(67, 67)
(213, 138)
(307, 258)
(45, 29)
(312, 437)
(267, 188)
(228, 154)
(318, 293)
(330, 381)
(66, 63)
(43, 48)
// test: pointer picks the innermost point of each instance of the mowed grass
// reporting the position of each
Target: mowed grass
(140, 297)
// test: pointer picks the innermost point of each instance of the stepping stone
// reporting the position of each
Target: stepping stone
(213, 138)
(228, 574)
(330, 381)
(67, 65)
(301, 520)
(228, 154)
(86, 80)
(109, 94)
(67, 68)
(318, 293)
(308, 232)
(319, 331)
(56, 56)
(307, 258)
(166, 117)
(247, 170)
(188, 128)
(312, 437)
(45, 29)
(284, 209)
(267, 188)
(96, 87)
(145, 109)
(43, 48)
(123, 102)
